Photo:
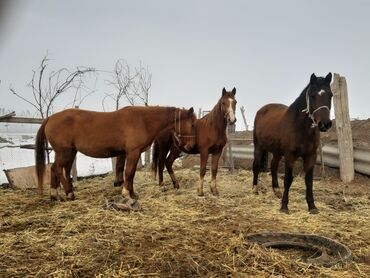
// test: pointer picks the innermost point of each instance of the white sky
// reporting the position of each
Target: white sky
(266, 49)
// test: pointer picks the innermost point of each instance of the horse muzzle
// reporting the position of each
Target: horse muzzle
(325, 126)
(188, 147)
(231, 121)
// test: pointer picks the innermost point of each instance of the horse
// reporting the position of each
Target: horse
(182, 133)
(127, 131)
(211, 138)
(293, 132)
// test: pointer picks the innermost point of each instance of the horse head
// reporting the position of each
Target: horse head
(228, 104)
(184, 133)
(318, 100)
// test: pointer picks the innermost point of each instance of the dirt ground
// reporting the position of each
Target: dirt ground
(178, 233)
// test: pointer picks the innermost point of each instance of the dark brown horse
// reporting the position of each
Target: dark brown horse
(293, 132)
(210, 139)
(128, 131)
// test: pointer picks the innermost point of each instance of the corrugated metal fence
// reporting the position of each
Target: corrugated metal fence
(330, 156)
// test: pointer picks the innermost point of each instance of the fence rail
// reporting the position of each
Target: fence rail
(330, 156)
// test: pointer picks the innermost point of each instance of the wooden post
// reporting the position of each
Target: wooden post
(242, 110)
(74, 169)
(343, 126)
(74, 165)
(114, 162)
(147, 157)
(230, 153)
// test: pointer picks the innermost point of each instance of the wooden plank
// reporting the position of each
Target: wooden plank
(21, 120)
(25, 177)
(242, 110)
(6, 116)
(343, 126)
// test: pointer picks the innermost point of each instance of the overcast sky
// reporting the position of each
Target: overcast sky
(266, 49)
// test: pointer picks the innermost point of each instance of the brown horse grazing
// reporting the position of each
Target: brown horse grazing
(210, 139)
(128, 131)
(293, 132)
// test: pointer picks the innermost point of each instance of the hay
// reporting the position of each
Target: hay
(177, 233)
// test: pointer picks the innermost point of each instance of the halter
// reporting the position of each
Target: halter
(307, 110)
(178, 134)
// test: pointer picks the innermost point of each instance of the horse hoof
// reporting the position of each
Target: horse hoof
(277, 193)
(164, 188)
(214, 192)
(314, 211)
(255, 190)
(117, 184)
(53, 198)
(70, 196)
(134, 196)
(284, 210)
(176, 185)
(200, 193)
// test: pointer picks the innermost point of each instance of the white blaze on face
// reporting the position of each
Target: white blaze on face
(321, 92)
(231, 111)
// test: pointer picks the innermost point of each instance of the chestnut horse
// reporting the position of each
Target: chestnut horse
(293, 132)
(128, 131)
(211, 138)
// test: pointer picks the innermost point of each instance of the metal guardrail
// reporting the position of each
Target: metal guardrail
(362, 160)
(330, 156)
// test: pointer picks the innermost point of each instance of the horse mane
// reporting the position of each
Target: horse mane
(212, 118)
(300, 103)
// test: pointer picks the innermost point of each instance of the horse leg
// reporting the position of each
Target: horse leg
(274, 166)
(258, 156)
(54, 183)
(120, 166)
(174, 154)
(131, 164)
(288, 179)
(161, 163)
(215, 159)
(308, 165)
(68, 167)
(202, 172)
(63, 161)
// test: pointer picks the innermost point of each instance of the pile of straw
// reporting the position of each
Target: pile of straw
(177, 233)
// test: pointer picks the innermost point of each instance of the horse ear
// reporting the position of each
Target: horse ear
(191, 111)
(234, 91)
(223, 91)
(328, 78)
(313, 78)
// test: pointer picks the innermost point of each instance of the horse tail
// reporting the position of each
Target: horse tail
(155, 158)
(41, 146)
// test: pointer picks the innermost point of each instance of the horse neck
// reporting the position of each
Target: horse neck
(163, 118)
(299, 119)
(216, 119)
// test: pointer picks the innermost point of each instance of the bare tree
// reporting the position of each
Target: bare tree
(130, 85)
(144, 83)
(122, 80)
(47, 87)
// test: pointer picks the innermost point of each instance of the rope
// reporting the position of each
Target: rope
(307, 109)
